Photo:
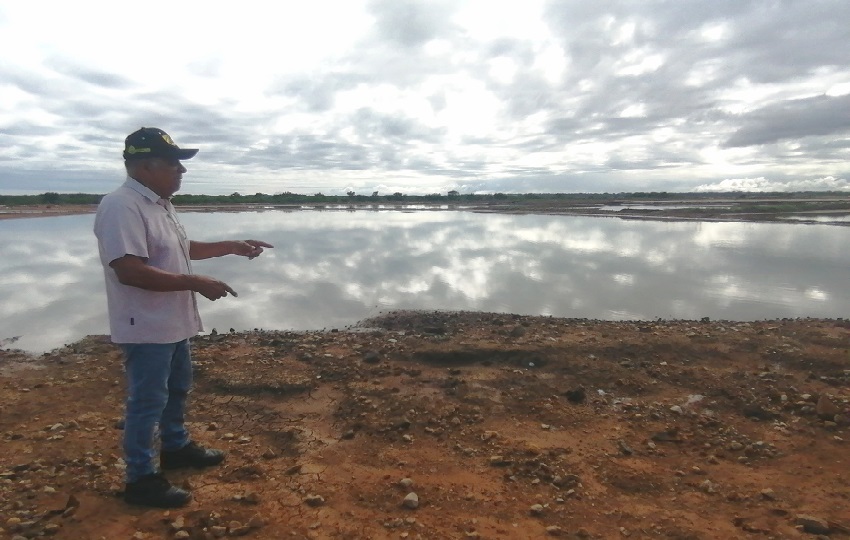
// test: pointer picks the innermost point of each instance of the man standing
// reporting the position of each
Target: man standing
(153, 312)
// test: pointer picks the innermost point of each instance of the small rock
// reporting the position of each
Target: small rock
(576, 395)
(499, 461)
(182, 534)
(218, 531)
(677, 409)
(269, 454)
(812, 524)
(406, 483)
(768, 494)
(256, 522)
(754, 410)
(536, 510)
(669, 435)
(826, 409)
(411, 500)
(178, 524)
(372, 357)
(554, 530)
(314, 500)
(241, 530)
(518, 331)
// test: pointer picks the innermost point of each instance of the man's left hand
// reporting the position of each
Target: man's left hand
(249, 248)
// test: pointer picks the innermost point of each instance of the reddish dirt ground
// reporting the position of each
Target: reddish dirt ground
(503, 426)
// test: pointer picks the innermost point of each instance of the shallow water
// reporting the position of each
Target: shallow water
(333, 268)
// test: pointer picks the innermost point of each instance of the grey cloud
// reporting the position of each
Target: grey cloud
(822, 115)
(410, 23)
(31, 82)
(22, 128)
(318, 91)
(309, 151)
(70, 68)
(620, 164)
(765, 42)
(370, 123)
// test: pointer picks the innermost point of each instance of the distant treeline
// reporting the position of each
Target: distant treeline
(398, 197)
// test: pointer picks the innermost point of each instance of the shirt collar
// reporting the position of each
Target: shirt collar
(142, 189)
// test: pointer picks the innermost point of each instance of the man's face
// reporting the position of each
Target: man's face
(164, 175)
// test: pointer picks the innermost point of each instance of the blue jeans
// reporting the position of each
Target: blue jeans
(159, 377)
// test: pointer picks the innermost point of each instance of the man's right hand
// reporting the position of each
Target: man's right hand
(211, 288)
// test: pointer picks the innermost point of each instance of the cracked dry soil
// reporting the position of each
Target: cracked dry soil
(504, 426)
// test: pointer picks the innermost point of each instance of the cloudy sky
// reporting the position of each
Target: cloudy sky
(429, 96)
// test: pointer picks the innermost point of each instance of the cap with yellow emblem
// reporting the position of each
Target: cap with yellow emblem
(154, 143)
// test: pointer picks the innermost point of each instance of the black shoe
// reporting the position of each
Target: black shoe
(191, 455)
(155, 490)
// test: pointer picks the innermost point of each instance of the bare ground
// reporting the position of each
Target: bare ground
(503, 426)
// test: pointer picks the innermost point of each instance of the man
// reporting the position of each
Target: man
(153, 312)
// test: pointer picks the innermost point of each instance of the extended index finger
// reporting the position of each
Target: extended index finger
(231, 291)
(259, 243)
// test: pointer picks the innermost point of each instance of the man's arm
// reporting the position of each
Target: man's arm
(132, 270)
(207, 250)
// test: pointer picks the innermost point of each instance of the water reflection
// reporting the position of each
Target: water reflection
(330, 269)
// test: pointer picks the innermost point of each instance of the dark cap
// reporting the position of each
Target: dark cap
(154, 143)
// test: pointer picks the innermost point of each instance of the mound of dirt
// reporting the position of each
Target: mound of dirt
(455, 425)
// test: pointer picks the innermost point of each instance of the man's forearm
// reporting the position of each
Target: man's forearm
(208, 250)
(154, 279)
(132, 271)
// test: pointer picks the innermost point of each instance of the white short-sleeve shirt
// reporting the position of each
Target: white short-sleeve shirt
(133, 220)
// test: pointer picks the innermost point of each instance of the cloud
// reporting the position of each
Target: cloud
(532, 96)
(794, 119)
(95, 77)
(410, 23)
(761, 184)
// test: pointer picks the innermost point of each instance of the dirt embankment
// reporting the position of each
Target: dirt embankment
(45, 210)
(502, 426)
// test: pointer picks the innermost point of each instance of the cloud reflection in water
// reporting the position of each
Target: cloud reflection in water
(333, 268)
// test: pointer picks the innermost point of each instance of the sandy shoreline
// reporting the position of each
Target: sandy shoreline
(644, 210)
(20, 212)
